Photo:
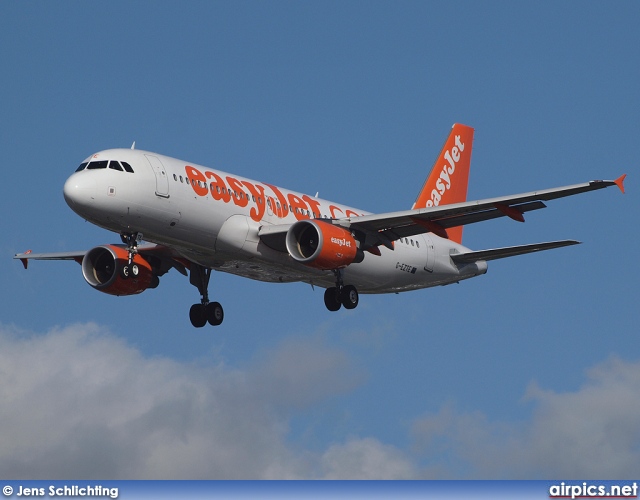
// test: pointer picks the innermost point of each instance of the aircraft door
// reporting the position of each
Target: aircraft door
(162, 181)
(431, 257)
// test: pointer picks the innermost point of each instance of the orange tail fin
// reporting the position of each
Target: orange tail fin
(448, 180)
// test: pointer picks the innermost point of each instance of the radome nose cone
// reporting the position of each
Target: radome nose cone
(79, 190)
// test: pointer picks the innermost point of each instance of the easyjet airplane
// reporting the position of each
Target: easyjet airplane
(197, 219)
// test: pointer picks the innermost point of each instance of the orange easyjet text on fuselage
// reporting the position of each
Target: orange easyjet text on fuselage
(229, 189)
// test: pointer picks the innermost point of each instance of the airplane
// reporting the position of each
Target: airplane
(174, 214)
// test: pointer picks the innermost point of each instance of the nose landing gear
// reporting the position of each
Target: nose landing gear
(131, 240)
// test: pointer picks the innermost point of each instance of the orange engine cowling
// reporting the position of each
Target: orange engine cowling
(102, 268)
(322, 245)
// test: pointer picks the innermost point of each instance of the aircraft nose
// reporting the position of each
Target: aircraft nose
(79, 190)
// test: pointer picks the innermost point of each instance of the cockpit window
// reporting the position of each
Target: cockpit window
(97, 164)
(113, 164)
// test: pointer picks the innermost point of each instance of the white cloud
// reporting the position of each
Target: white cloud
(79, 402)
(592, 432)
(366, 459)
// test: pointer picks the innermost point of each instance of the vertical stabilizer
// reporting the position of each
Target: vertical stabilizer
(449, 177)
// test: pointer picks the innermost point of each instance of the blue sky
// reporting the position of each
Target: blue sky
(532, 370)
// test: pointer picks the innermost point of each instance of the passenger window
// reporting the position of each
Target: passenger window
(412, 243)
(127, 167)
(417, 243)
(181, 179)
(115, 165)
(82, 166)
(175, 177)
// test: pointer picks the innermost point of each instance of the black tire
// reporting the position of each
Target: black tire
(197, 315)
(215, 313)
(349, 297)
(332, 299)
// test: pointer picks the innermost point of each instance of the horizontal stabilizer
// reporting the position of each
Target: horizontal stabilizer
(501, 253)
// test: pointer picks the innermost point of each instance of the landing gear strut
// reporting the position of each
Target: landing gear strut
(212, 312)
(131, 240)
(341, 294)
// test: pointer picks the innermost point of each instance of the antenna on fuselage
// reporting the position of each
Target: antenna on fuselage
(133, 146)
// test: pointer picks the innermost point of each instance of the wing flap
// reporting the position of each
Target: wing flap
(501, 253)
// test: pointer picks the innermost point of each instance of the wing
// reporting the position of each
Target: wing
(501, 253)
(26, 256)
(388, 227)
(382, 229)
(166, 258)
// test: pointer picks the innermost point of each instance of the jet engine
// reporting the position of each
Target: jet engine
(319, 244)
(103, 268)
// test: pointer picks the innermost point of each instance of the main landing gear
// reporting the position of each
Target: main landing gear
(131, 240)
(340, 295)
(206, 311)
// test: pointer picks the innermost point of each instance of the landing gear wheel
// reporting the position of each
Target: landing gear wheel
(135, 270)
(205, 311)
(332, 299)
(214, 313)
(349, 297)
(125, 272)
(197, 315)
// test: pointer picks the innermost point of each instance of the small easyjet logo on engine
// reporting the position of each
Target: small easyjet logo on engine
(341, 242)
(444, 181)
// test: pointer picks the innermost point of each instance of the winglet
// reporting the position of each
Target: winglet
(620, 182)
(25, 261)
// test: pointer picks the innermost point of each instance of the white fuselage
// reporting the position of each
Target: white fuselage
(213, 218)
